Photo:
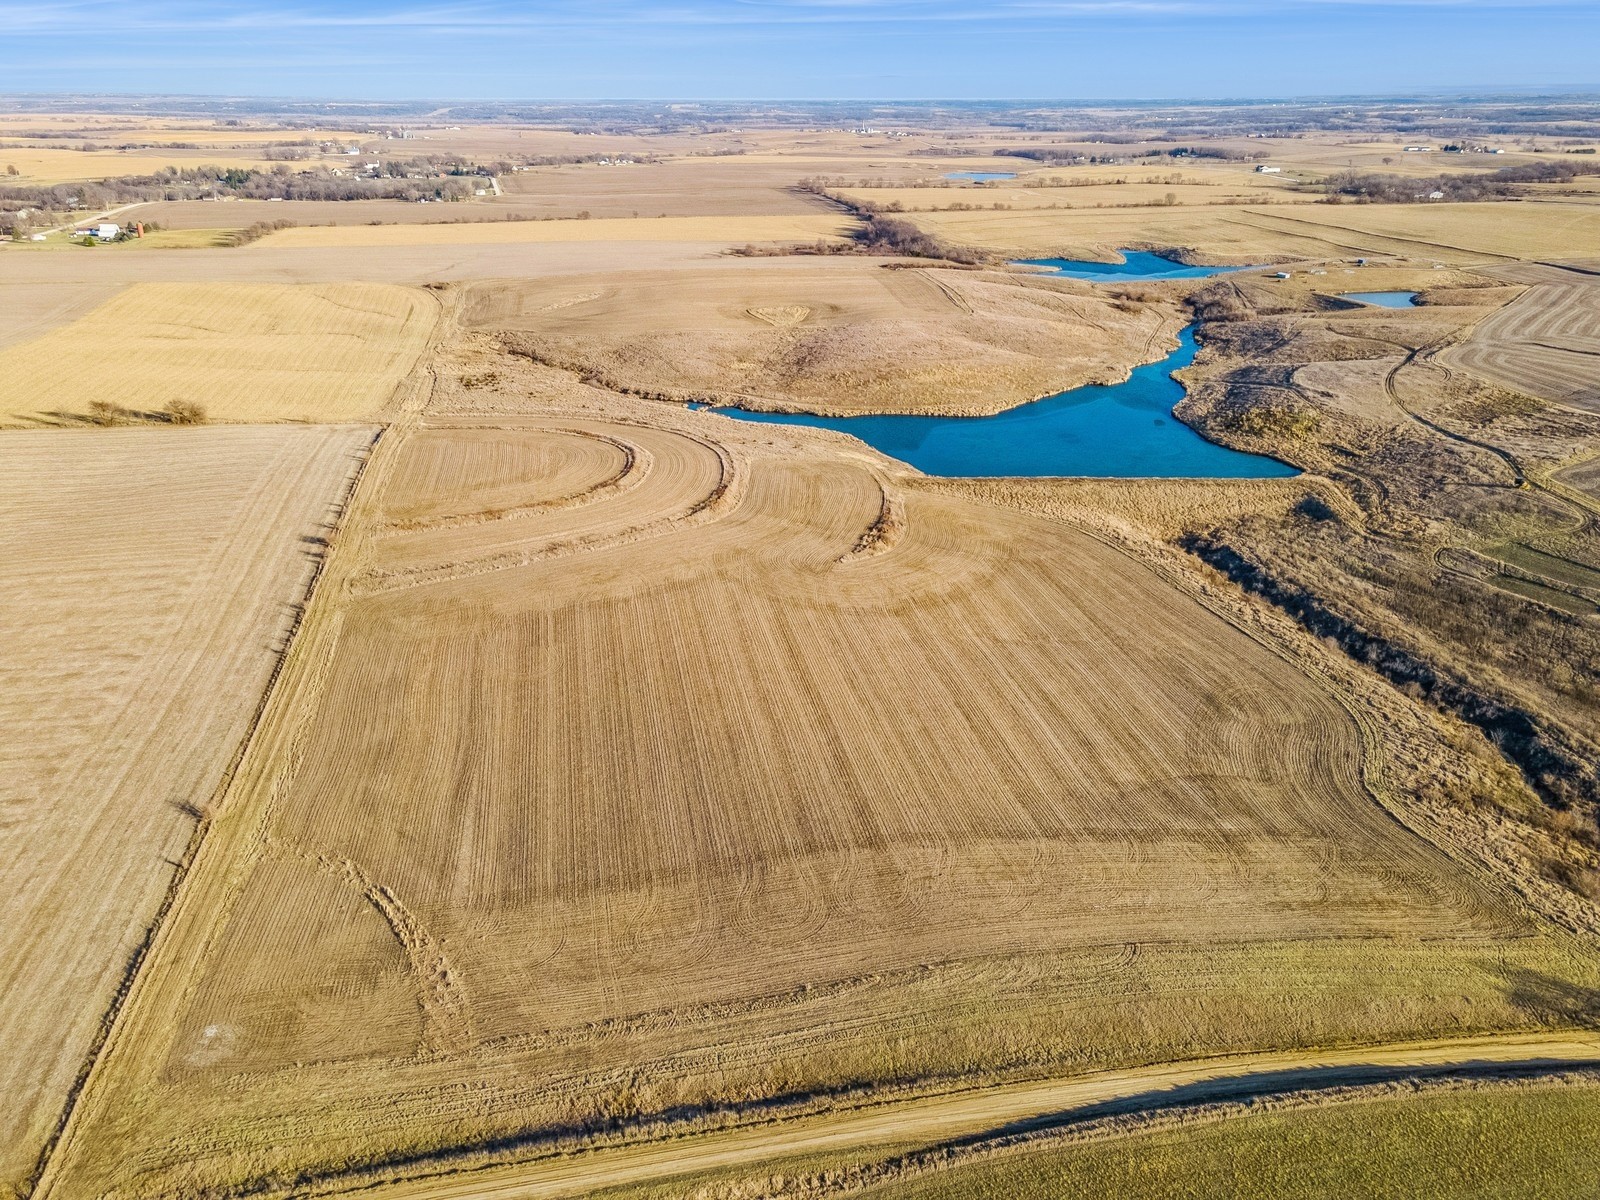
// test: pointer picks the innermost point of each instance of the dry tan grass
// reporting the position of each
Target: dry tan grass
(150, 581)
(243, 351)
(832, 337)
(734, 230)
(1546, 343)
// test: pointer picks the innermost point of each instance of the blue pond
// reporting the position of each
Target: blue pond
(981, 176)
(1138, 264)
(1125, 431)
(1384, 299)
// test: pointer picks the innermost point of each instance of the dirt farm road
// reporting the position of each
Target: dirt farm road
(996, 1111)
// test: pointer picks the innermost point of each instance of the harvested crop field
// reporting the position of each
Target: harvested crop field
(43, 165)
(835, 336)
(1545, 343)
(750, 762)
(244, 352)
(684, 187)
(151, 579)
(728, 230)
(33, 309)
(1448, 233)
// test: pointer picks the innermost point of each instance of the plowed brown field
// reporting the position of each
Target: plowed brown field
(680, 765)
(150, 579)
(1545, 343)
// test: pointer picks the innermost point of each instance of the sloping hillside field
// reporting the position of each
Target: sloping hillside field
(645, 771)
(151, 578)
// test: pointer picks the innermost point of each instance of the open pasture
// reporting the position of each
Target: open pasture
(837, 337)
(151, 579)
(703, 749)
(1545, 343)
(244, 352)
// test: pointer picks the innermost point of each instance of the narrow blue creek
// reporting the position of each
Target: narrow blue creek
(1124, 431)
(1136, 264)
(1384, 299)
(981, 176)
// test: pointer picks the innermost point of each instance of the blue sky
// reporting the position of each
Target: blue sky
(813, 49)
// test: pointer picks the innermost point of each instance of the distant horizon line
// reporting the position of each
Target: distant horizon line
(1462, 93)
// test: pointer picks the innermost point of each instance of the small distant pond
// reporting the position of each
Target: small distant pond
(1136, 264)
(981, 176)
(1124, 431)
(1384, 299)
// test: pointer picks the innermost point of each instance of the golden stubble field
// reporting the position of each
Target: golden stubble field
(635, 760)
(151, 579)
(244, 352)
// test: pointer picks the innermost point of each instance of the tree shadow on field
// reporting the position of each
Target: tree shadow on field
(108, 416)
(1550, 999)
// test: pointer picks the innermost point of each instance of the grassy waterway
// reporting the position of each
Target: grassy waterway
(1124, 430)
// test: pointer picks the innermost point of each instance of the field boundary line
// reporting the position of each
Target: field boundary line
(979, 1112)
(256, 768)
